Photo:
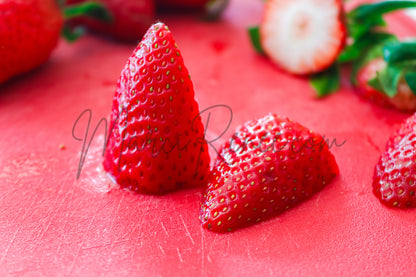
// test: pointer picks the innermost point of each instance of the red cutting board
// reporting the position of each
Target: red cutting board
(55, 225)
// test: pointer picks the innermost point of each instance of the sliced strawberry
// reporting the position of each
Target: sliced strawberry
(404, 100)
(157, 141)
(268, 166)
(303, 36)
(394, 180)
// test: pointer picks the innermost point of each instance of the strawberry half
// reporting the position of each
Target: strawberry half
(268, 166)
(303, 36)
(157, 141)
(394, 180)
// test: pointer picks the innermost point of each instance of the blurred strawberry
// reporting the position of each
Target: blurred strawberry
(30, 30)
(131, 18)
(404, 99)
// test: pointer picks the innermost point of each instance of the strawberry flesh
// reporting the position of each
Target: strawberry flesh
(156, 141)
(268, 166)
(303, 36)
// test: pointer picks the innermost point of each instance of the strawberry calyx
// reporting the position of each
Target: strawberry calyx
(89, 9)
(369, 41)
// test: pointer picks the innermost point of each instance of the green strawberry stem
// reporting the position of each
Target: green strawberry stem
(399, 52)
(254, 33)
(368, 44)
(366, 11)
(326, 82)
(89, 9)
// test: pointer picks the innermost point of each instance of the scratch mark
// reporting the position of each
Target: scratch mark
(164, 228)
(317, 199)
(179, 254)
(187, 231)
(202, 253)
(6, 252)
(106, 244)
(117, 210)
(52, 211)
(161, 249)
(82, 242)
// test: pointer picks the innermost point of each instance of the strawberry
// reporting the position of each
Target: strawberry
(267, 167)
(403, 99)
(364, 75)
(30, 30)
(156, 142)
(131, 18)
(394, 180)
(303, 36)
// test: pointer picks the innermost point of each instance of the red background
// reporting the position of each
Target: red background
(52, 224)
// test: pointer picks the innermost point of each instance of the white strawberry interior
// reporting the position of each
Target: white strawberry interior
(301, 35)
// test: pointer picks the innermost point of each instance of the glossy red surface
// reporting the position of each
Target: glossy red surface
(53, 224)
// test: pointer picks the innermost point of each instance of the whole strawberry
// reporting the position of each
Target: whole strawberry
(30, 30)
(131, 18)
(268, 166)
(156, 141)
(385, 81)
(394, 180)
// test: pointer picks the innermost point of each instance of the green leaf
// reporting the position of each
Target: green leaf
(399, 51)
(373, 52)
(375, 83)
(89, 9)
(389, 79)
(410, 78)
(360, 28)
(326, 82)
(355, 50)
(254, 33)
(379, 8)
(72, 34)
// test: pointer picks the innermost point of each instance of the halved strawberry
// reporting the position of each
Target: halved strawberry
(267, 167)
(303, 36)
(404, 99)
(394, 180)
(156, 141)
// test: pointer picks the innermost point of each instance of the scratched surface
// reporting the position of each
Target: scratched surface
(54, 225)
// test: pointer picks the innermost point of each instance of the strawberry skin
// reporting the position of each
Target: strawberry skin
(303, 36)
(29, 31)
(404, 100)
(394, 180)
(131, 18)
(156, 141)
(268, 166)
